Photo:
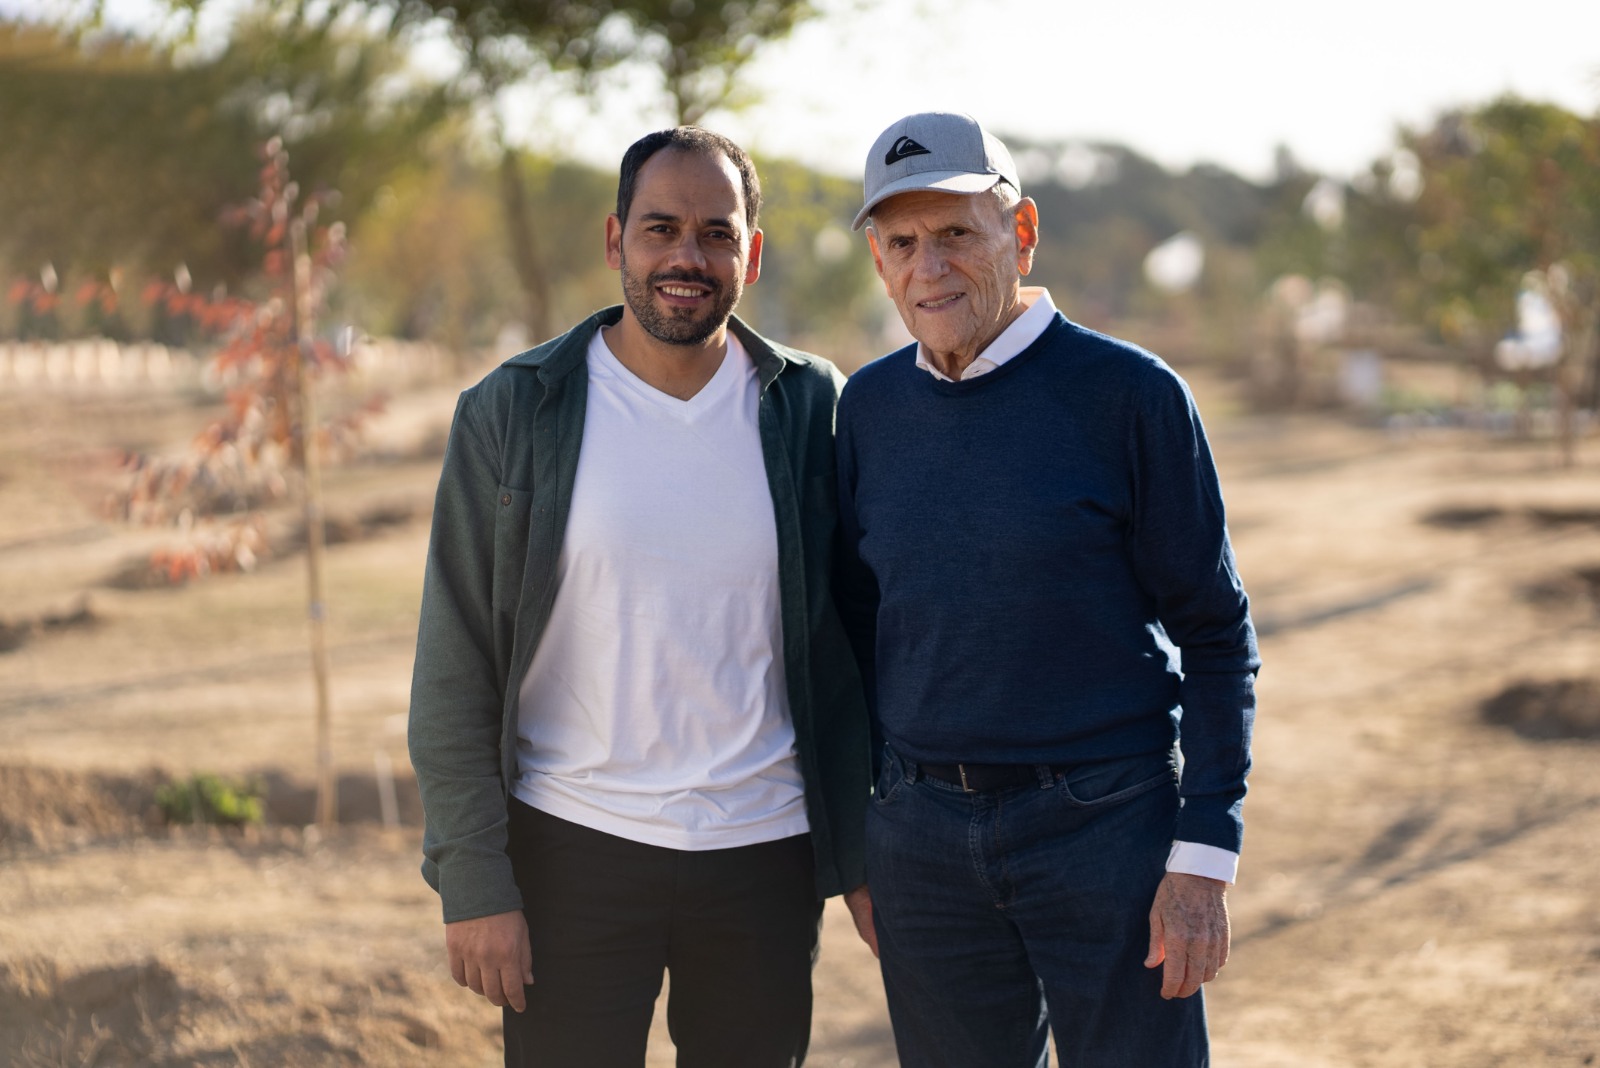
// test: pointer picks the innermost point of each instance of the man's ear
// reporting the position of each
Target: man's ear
(1026, 221)
(614, 242)
(752, 266)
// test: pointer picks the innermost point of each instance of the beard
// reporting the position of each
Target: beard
(679, 326)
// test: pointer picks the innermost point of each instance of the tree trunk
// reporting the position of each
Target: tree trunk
(524, 250)
(1577, 369)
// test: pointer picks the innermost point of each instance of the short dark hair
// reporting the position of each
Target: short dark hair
(696, 140)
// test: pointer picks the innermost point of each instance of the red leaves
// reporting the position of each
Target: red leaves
(37, 298)
(243, 459)
(209, 551)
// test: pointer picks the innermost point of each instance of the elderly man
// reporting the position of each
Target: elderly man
(637, 728)
(1038, 582)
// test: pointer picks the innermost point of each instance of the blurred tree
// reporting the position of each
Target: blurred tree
(1103, 207)
(110, 155)
(699, 48)
(502, 43)
(432, 261)
(1291, 241)
(817, 288)
(1507, 188)
(1450, 227)
(113, 155)
(271, 357)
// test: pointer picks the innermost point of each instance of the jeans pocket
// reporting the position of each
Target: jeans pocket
(1114, 782)
(891, 778)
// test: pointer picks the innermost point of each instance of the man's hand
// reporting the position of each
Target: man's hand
(491, 956)
(1189, 931)
(859, 902)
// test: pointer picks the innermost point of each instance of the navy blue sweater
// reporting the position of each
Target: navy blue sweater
(1035, 568)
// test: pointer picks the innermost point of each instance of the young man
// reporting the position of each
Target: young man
(636, 723)
(1033, 534)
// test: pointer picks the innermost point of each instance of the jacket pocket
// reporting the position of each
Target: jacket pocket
(513, 512)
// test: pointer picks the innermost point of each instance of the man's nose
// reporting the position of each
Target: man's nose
(930, 260)
(686, 252)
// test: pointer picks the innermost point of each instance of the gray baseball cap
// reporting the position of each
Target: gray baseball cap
(937, 150)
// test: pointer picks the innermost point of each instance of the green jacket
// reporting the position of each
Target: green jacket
(498, 522)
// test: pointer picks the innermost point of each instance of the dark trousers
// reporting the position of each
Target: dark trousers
(736, 929)
(1000, 912)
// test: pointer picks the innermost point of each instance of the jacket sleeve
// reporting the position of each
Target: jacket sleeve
(855, 588)
(457, 687)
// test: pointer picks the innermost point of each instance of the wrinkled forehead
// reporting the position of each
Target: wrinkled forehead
(925, 209)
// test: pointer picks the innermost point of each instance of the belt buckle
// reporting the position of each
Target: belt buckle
(961, 769)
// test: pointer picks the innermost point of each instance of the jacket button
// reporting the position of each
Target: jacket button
(505, 499)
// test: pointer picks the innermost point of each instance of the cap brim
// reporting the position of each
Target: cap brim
(964, 182)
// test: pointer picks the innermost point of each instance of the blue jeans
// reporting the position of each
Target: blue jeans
(1001, 912)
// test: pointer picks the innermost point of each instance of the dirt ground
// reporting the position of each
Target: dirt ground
(1423, 843)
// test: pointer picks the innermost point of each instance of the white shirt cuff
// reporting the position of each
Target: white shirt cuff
(1192, 858)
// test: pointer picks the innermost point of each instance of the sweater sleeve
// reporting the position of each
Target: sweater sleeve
(1183, 560)
(456, 698)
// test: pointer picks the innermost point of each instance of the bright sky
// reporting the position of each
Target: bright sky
(1223, 81)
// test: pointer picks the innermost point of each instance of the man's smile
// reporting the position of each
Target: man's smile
(678, 291)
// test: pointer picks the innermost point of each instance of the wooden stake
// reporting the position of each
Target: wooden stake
(311, 460)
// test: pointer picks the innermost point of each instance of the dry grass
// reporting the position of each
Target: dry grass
(1424, 821)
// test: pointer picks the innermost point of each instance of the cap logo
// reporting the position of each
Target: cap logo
(904, 148)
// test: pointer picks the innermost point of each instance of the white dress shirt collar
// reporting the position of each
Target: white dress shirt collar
(1023, 331)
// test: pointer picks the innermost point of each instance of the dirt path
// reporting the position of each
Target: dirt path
(1418, 886)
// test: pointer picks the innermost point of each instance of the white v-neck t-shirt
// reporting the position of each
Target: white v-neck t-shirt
(655, 708)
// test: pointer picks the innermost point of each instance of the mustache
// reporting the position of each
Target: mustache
(693, 277)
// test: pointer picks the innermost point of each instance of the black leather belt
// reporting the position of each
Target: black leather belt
(980, 778)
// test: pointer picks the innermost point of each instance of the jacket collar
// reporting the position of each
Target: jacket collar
(556, 358)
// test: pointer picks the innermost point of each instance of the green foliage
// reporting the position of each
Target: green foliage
(1103, 207)
(817, 288)
(1443, 231)
(698, 47)
(431, 260)
(117, 159)
(701, 47)
(207, 798)
(1508, 188)
(1291, 241)
(111, 155)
